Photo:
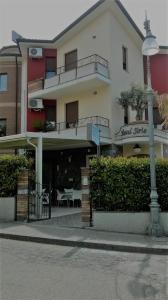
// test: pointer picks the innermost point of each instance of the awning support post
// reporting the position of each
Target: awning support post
(39, 175)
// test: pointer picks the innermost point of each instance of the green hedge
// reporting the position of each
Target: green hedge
(121, 184)
(10, 168)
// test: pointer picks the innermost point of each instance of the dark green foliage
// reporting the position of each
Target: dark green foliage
(136, 98)
(123, 184)
(10, 168)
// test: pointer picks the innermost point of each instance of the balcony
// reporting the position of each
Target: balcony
(91, 72)
(79, 128)
(137, 132)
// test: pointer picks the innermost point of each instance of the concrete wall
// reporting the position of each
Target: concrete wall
(7, 209)
(126, 222)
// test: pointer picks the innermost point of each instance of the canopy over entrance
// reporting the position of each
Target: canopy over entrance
(39, 142)
(49, 140)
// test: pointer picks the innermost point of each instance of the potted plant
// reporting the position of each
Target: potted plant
(38, 125)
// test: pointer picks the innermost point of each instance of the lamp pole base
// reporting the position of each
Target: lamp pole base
(155, 228)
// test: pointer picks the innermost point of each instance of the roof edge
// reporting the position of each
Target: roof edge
(124, 11)
(79, 19)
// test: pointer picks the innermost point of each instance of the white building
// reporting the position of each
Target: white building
(74, 80)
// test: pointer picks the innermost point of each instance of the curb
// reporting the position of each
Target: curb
(88, 245)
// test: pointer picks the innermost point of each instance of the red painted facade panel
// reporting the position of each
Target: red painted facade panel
(159, 72)
(36, 70)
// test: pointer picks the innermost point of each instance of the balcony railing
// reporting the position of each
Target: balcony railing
(96, 120)
(90, 65)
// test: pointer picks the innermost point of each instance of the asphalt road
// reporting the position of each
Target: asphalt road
(30, 271)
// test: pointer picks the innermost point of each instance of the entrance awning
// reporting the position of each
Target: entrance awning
(50, 141)
(39, 141)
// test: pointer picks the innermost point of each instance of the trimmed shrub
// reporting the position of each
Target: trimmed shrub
(122, 184)
(10, 168)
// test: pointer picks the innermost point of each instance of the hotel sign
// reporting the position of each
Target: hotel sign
(129, 131)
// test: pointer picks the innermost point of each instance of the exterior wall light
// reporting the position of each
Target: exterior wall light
(137, 149)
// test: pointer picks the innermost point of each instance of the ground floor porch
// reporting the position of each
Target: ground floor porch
(134, 140)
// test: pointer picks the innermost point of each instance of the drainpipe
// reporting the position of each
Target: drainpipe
(16, 96)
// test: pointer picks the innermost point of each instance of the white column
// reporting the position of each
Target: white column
(24, 96)
(39, 174)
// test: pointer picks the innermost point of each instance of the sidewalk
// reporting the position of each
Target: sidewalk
(84, 238)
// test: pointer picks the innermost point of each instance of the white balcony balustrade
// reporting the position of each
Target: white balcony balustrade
(91, 71)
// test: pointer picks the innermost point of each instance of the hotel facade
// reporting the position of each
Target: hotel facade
(69, 89)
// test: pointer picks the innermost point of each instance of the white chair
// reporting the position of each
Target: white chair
(61, 197)
(77, 195)
(69, 195)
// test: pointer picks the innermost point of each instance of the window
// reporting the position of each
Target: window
(71, 114)
(2, 127)
(156, 116)
(71, 60)
(3, 82)
(125, 58)
(50, 67)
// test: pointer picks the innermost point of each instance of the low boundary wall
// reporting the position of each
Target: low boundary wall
(7, 208)
(127, 222)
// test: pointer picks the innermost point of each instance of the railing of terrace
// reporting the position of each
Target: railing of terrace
(96, 120)
(80, 68)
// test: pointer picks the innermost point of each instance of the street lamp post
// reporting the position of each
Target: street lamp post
(150, 47)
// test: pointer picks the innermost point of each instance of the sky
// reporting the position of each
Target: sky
(44, 19)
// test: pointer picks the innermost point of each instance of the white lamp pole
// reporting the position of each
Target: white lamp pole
(150, 47)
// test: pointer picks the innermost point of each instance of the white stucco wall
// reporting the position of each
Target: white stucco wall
(86, 44)
(121, 79)
(88, 104)
(110, 37)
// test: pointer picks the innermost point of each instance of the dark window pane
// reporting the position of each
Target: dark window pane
(125, 62)
(156, 116)
(50, 67)
(71, 114)
(2, 127)
(71, 60)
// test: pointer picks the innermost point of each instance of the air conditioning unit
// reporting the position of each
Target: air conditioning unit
(35, 104)
(35, 52)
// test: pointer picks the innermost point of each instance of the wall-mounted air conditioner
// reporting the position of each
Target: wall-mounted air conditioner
(35, 52)
(35, 104)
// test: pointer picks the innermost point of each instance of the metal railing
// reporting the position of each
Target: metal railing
(69, 72)
(96, 120)
(95, 58)
(39, 204)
